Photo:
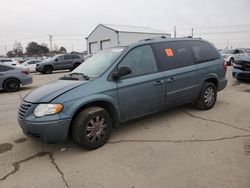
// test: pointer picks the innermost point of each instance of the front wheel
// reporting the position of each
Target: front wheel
(208, 96)
(47, 70)
(92, 127)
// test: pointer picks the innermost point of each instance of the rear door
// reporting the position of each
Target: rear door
(141, 92)
(179, 71)
(68, 62)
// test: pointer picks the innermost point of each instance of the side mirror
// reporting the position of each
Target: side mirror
(122, 71)
(56, 59)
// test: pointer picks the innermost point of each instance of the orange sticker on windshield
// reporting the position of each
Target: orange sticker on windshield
(169, 52)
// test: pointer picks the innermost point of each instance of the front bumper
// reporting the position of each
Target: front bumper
(241, 75)
(27, 81)
(51, 131)
(38, 69)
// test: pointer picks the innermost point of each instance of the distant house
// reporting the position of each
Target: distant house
(106, 36)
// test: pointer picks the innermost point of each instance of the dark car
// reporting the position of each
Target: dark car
(123, 83)
(11, 78)
(241, 68)
(59, 62)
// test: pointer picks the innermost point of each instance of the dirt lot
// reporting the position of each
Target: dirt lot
(181, 147)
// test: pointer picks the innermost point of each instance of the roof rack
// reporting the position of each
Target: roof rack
(149, 39)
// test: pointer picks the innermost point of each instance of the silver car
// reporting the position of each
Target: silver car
(9, 61)
(11, 78)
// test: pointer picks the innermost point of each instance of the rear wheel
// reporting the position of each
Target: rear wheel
(11, 85)
(207, 96)
(92, 127)
(47, 70)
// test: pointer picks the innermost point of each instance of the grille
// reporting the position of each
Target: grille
(24, 107)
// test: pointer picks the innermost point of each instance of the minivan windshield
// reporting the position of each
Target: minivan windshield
(100, 62)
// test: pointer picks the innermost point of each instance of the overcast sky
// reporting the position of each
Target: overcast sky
(70, 21)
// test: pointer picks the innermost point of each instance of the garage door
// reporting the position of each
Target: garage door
(93, 47)
(105, 44)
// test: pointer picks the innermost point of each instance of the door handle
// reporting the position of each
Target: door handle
(158, 82)
(172, 79)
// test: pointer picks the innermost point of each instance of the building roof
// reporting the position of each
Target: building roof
(131, 29)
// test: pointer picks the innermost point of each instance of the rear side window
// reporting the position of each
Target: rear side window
(68, 57)
(173, 55)
(4, 69)
(31, 62)
(141, 61)
(203, 51)
(76, 57)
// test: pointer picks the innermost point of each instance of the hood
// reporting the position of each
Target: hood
(51, 91)
(245, 58)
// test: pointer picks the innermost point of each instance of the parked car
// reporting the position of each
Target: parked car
(121, 84)
(241, 68)
(11, 78)
(247, 51)
(30, 64)
(9, 61)
(59, 62)
(232, 55)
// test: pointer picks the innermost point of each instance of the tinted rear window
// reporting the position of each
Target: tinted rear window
(203, 51)
(173, 55)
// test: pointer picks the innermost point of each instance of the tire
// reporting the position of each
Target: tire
(92, 127)
(47, 70)
(207, 97)
(231, 61)
(11, 85)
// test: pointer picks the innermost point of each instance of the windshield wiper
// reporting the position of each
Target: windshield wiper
(85, 77)
(68, 78)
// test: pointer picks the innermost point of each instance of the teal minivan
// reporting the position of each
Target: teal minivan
(121, 84)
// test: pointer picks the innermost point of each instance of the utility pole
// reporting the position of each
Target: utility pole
(192, 32)
(5, 48)
(174, 31)
(50, 40)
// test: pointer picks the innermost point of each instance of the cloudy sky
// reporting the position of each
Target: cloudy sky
(70, 21)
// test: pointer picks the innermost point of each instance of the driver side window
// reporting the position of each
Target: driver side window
(140, 60)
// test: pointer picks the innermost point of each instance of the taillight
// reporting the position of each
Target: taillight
(225, 66)
(25, 72)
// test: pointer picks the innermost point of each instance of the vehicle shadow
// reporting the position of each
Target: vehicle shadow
(146, 122)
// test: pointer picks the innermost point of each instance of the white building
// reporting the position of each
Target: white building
(106, 36)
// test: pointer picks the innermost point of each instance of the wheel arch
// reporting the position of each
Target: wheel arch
(9, 79)
(49, 65)
(213, 80)
(107, 105)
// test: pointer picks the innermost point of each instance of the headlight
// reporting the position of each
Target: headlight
(47, 109)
